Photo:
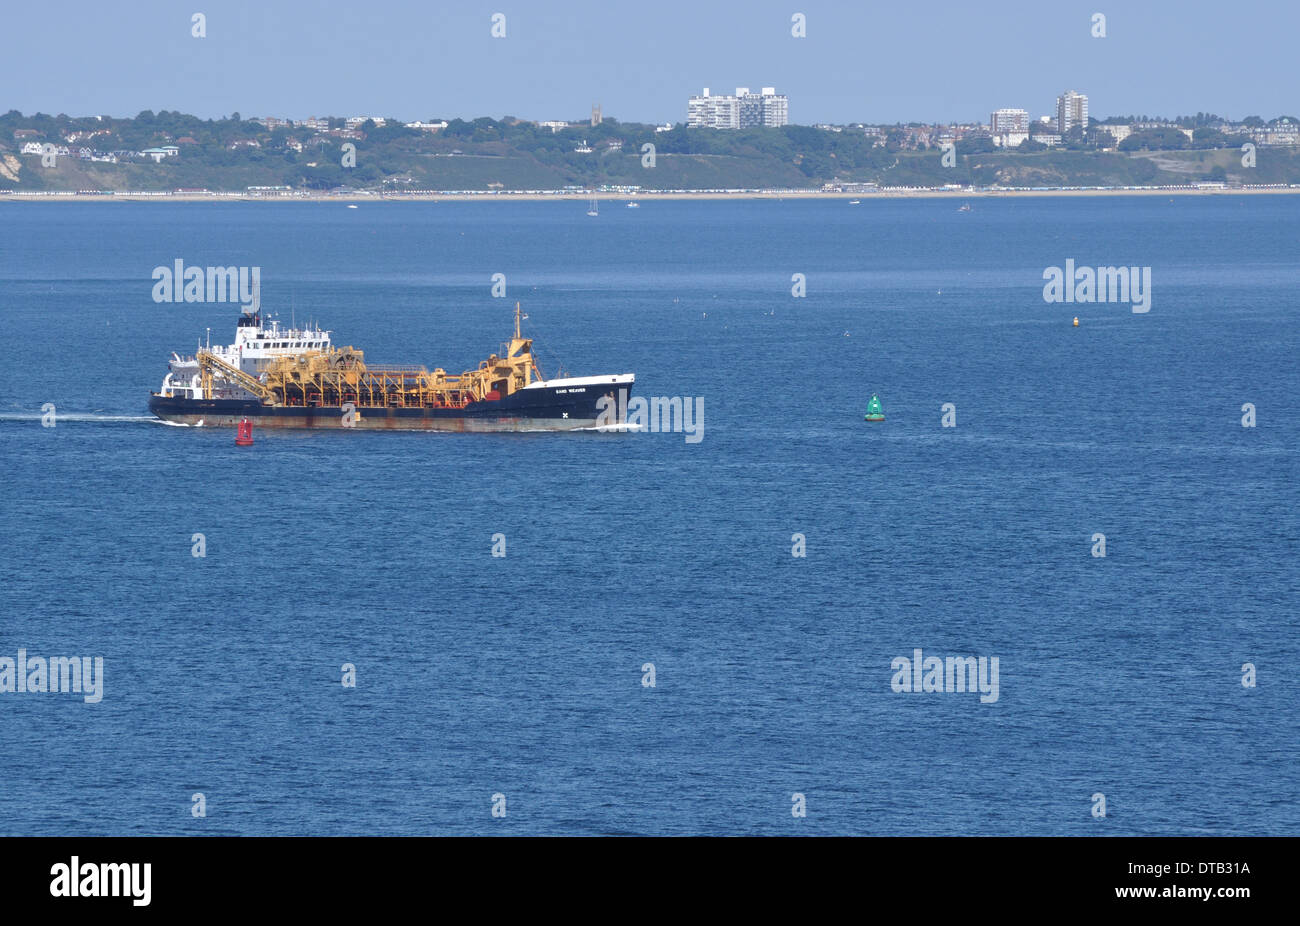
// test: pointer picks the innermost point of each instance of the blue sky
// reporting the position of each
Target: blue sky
(925, 60)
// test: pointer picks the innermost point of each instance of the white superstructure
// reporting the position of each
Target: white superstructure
(255, 347)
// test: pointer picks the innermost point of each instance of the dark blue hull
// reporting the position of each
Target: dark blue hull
(549, 408)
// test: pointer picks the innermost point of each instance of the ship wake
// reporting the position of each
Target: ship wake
(60, 417)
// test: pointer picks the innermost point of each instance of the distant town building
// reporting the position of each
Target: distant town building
(595, 115)
(766, 108)
(740, 111)
(83, 136)
(1118, 132)
(707, 111)
(1008, 122)
(1071, 110)
(1281, 133)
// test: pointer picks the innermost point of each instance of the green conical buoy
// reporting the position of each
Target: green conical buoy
(874, 411)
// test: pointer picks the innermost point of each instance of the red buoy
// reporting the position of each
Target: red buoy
(244, 436)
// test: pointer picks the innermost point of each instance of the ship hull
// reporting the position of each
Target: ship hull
(547, 408)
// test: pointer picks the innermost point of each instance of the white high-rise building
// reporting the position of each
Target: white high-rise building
(741, 111)
(1009, 122)
(708, 111)
(1071, 110)
(775, 108)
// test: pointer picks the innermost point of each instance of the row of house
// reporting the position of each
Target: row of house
(352, 125)
(93, 154)
(1010, 128)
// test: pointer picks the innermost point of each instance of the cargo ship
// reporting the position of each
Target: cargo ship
(296, 378)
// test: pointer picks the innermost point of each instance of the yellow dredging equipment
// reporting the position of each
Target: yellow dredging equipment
(335, 376)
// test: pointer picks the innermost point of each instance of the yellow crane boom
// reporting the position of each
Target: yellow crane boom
(211, 366)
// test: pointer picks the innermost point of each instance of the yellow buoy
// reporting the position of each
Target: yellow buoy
(1076, 321)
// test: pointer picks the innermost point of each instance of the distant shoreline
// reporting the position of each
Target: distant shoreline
(17, 196)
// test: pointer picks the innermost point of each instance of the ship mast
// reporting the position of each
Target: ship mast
(518, 342)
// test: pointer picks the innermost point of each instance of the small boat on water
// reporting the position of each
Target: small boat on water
(855, 202)
(592, 207)
(965, 207)
(634, 205)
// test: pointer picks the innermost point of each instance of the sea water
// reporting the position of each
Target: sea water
(650, 655)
